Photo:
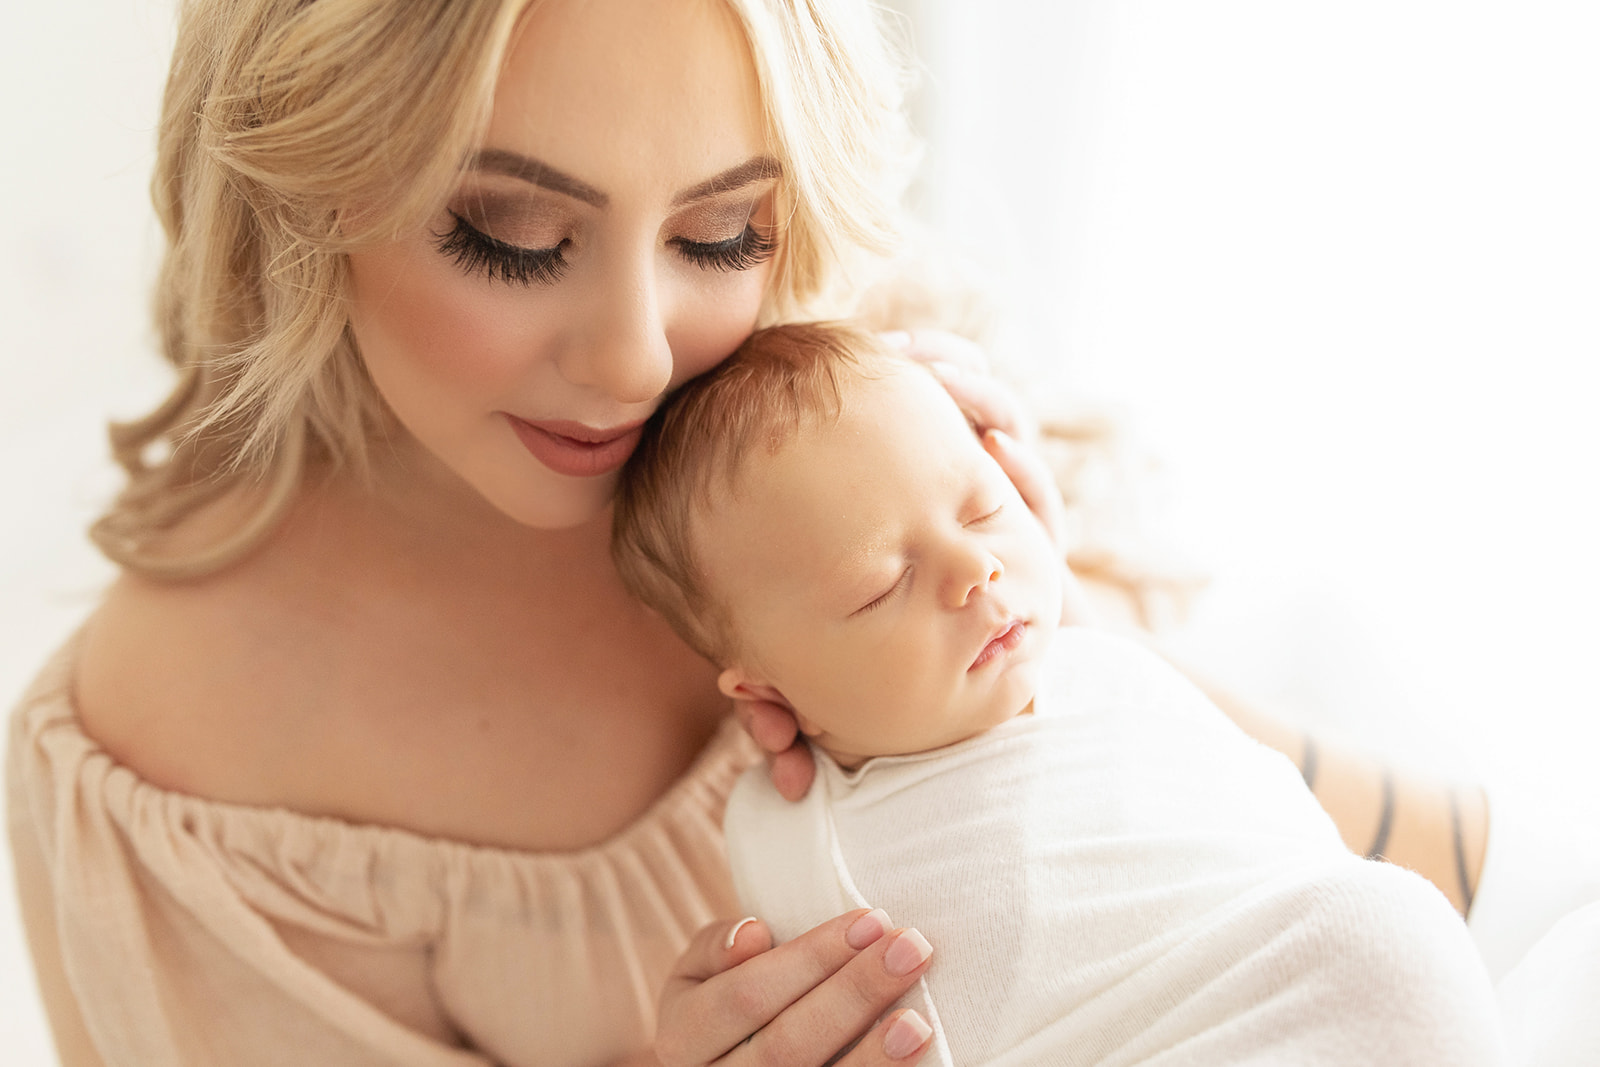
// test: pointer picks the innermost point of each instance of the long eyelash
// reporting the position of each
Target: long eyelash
(751, 248)
(477, 253)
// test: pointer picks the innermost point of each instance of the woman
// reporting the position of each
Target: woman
(367, 757)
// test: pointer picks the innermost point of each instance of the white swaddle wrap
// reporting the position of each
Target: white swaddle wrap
(1122, 877)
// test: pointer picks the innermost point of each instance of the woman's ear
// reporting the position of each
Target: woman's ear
(738, 684)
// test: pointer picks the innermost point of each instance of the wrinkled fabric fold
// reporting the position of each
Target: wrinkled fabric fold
(170, 910)
(1122, 877)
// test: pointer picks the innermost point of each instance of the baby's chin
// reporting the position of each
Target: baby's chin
(852, 757)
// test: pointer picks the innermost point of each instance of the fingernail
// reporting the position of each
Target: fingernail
(906, 954)
(1001, 438)
(895, 338)
(905, 1035)
(944, 371)
(867, 929)
(734, 933)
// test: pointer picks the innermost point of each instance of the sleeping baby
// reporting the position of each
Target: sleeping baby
(1110, 871)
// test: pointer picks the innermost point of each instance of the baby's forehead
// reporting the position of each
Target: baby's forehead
(862, 399)
(811, 512)
(879, 412)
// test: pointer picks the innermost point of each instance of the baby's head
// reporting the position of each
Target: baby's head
(817, 517)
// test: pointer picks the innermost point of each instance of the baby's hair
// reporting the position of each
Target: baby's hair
(779, 380)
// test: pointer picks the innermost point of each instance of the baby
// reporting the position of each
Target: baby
(1110, 871)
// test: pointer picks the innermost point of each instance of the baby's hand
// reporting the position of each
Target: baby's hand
(772, 726)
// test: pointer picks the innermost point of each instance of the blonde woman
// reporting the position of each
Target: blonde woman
(367, 758)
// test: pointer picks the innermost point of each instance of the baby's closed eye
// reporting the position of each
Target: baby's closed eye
(883, 597)
(986, 518)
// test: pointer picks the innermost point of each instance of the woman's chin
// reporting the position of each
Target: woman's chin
(552, 502)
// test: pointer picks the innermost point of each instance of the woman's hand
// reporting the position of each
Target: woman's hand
(1004, 424)
(734, 999)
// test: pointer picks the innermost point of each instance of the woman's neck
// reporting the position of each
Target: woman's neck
(413, 509)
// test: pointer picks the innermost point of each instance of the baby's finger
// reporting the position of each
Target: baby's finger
(793, 771)
(987, 402)
(1031, 475)
(771, 726)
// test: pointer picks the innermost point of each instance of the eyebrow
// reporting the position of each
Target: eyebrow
(512, 165)
(755, 169)
(532, 171)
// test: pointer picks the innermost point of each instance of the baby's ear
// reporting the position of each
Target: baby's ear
(738, 684)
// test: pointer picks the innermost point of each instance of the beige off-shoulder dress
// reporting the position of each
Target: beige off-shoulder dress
(174, 930)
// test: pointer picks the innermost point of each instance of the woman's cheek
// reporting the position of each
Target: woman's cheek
(422, 322)
(720, 313)
(464, 332)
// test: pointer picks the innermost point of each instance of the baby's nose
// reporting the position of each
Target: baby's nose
(981, 569)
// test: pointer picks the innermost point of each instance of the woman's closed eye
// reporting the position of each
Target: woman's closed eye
(746, 249)
(883, 597)
(477, 253)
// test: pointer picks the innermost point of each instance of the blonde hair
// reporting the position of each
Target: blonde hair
(295, 130)
(781, 379)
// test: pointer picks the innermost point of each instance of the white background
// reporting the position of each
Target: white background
(1338, 264)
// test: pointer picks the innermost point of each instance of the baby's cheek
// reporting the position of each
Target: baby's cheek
(899, 710)
(1032, 557)
(832, 695)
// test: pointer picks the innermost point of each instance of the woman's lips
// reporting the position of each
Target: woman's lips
(576, 450)
(1001, 643)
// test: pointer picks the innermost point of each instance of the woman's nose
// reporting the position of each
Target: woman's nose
(973, 569)
(622, 351)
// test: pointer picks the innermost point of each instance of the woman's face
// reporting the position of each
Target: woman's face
(612, 239)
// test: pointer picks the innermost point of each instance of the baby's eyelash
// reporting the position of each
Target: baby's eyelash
(988, 518)
(476, 252)
(750, 248)
(887, 593)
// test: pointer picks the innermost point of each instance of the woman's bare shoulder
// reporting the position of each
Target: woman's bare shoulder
(184, 681)
(164, 681)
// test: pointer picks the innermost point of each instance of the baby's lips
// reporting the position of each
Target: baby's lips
(1003, 639)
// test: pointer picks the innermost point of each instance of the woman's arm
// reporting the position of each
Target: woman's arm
(36, 896)
(1438, 829)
